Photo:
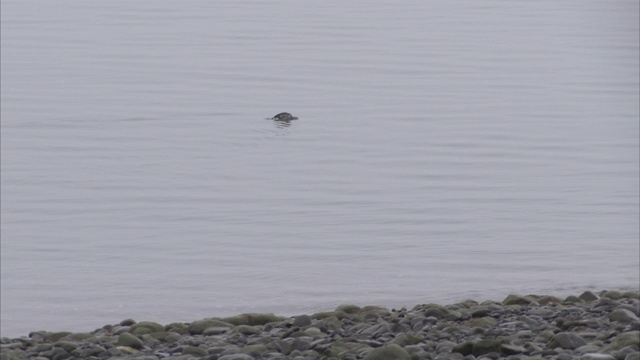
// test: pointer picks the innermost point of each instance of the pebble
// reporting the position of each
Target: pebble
(592, 326)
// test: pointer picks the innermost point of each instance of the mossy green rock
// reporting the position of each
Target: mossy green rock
(198, 327)
(629, 338)
(465, 348)
(145, 327)
(66, 345)
(195, 351)
(407, 339)
(624, 316)
(613, 295)
(247, 330)
(484, 322)
(516, 300)
(130, 340)
(566, 340)
(55, 336)
(485, 346)
(389, 352)
(253, 319)
(349, 308)
(13, 355)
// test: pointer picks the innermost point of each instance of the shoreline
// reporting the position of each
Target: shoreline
(602, 325)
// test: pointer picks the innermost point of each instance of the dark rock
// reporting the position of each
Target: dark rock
(566, 340)
(486, 346)
(388, 352)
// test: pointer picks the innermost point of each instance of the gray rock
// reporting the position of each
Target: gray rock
(198, 327)
(388, 352)
(302, 321)
(486, 346)
(510, 349)
(634, 356)
(193, 350)
(146, 327)
(566, 340)
(253, 319)
(130, 340)
(588, 296)
(66, 345)
(625, 339)
(597, 356)
(516, 300)
(301, 344)
(236, 357)
(623, 315)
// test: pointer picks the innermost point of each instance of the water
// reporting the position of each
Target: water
(443, 151)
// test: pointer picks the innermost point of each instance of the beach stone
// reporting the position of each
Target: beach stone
(301, 344)
(130, 340)
(597, 356)
(613, 295)
(66, 345)
(633, 356)
(485, 346)
(302, 321)
(623, 315)
(349, 308)
(588, 296)
(465, 348)
(516, 300)
(195, 351)
(198, 327)
(146, 327)
(545, 300)
(236, 357)
(572, 300)
(510, 349)
(247, 330)
(566, 340)
(127, 322)
(253, 319)
(407, 339)
(55, 336)
(16, 354)
(625, 339)
(388, 352)
(484, 322)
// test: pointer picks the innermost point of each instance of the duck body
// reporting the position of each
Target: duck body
(284, 116)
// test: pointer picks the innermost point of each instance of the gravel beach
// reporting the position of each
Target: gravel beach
(602, 325)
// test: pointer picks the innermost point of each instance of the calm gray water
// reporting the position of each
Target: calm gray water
(444, 151)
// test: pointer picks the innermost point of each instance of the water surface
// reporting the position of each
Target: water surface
(443, 151)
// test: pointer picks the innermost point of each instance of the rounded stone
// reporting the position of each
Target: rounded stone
(486, 346)
(149, 326)
(388, 352)
(566, 340)
(130, 340)
(253, 319)
(195, 351)
(623, 315)
(588, 296)
(302, 321)
(199, 326)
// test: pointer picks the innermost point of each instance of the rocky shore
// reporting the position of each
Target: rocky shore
(594, 326)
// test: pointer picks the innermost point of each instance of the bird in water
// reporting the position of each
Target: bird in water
(285, 116)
